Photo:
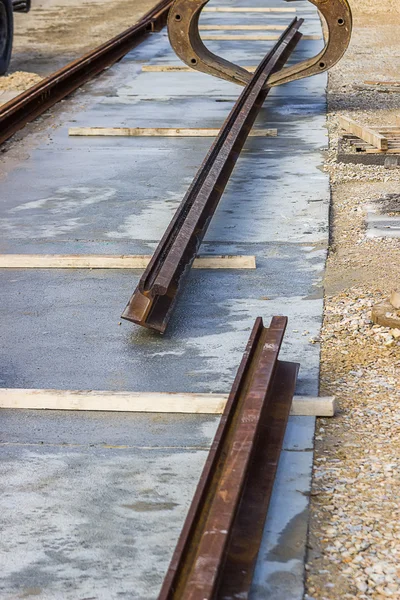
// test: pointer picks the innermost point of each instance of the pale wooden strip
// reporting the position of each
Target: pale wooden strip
(390, 151)
(364, 133)
(108, 261)
(385, 83)
(254, 38)
(310, 406)
(180, 68)
(155, 402)
(398, 119)
(160, 132)
(392, 129)
(242, 27)
(246, 9)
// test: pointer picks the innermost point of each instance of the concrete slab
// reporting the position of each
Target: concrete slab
(95, 502)
(87, 522)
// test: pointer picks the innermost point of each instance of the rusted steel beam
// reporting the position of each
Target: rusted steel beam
(36, 100)
(217, 549)
(153, 300)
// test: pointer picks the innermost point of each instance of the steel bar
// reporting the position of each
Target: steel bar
(36, 100)
(217, 549)
(153, 300)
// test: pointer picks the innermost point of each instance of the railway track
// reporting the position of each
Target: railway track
(217, 552)
(37, 99)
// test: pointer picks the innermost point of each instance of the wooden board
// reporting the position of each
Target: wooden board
(180, 68)
(242, 27)
(389, 151)
(160, 132)
(384, 83)
(364, 133)
(254, 38)
(108, 261)
(246, 9)
(154, 402)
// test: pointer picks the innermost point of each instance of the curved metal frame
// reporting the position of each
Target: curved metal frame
(183, 31)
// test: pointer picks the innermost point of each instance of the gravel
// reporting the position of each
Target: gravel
(354, 536)
(19, 81)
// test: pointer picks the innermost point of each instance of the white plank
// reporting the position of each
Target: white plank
(13, 398)
(254, 38)
(242, 27)
(180, 69)
(160, 132)
(108, 261)
(247, 9)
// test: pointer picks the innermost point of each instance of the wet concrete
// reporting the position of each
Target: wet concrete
(99, 499)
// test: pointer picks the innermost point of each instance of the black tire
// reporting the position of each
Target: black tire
(6, 34)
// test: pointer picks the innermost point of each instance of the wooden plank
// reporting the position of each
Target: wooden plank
(160, 132)
(242, 27)
(247, 9)
(384, 83)
(254, 38)
(387, 129)
(108, 261)
(366, 134)
(181, 68)
(158, 402)
(389, 151)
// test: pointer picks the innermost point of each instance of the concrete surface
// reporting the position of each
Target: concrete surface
(68, 513)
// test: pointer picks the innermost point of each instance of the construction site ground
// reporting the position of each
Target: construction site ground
(354, 543)
(95, 502)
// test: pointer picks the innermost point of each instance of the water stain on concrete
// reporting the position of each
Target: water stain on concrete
(291, 541)
(142, 506)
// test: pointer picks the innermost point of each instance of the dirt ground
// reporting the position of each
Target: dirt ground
(354, 543)
(55, 32)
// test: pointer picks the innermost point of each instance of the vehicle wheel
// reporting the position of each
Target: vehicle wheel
(6, 34)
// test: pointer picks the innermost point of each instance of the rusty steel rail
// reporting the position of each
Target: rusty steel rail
(218, 546)
(153, 300)
(36, 100)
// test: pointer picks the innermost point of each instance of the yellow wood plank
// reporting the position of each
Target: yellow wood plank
(159, 132)
(248, 9)
(389, 151)
(364, 133)
(154, 402)
(254, 38)
(180, 68)
(384, 83)
(107, 261)
(242, 27)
